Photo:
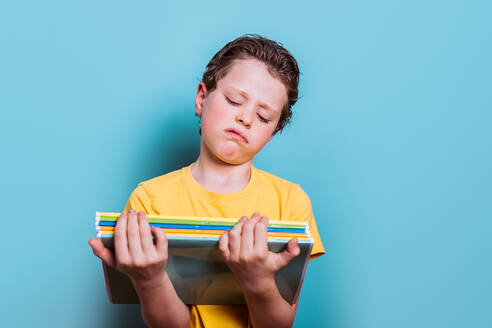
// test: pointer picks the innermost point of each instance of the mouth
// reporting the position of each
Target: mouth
(237, 135)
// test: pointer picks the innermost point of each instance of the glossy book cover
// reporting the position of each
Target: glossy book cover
(200, 276)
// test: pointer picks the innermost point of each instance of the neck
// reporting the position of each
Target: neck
(219, 176)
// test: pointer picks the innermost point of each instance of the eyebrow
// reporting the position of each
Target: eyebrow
(245, 95)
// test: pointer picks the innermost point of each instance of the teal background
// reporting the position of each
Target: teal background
(391, 139)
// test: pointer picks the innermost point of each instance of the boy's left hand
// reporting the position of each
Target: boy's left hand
(245, 250)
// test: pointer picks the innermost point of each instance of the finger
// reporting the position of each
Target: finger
(261, 241)
(247, 235)
(293, 247)
(235, 239)
(132, 229)
(224, 245)
(145, 234)
(106, 255)
(289, 253)
(120, 238)
(161, 242)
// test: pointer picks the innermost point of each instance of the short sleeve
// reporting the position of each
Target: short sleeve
(139, 200)
(302, 211)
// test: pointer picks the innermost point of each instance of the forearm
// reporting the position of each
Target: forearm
(267, 308)
(161, 306)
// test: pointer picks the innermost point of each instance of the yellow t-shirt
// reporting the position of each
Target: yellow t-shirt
(178, 193)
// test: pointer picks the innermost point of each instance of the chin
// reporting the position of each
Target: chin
(231, 160)
(229, 152)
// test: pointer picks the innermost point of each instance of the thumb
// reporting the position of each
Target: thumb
(289, 253)
(106, 255)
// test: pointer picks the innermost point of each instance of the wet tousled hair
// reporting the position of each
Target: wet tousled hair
(279, 62)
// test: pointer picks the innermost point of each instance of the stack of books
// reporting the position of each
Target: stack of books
(195, 265)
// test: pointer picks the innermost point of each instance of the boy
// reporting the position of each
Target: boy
(243, 100)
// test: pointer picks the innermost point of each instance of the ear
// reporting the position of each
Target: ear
(201, 94)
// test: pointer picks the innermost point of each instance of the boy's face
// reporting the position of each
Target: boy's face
(240, 115)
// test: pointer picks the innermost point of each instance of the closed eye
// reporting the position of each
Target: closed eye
(263, 119)
(232, 102)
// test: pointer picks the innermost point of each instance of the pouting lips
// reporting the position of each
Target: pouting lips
(237, 134)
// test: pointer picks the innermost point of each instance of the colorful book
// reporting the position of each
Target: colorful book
(195, 266)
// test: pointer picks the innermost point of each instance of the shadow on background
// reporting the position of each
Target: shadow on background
(168, 145)
(127, 315)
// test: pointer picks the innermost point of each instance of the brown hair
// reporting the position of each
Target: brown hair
(279, 62)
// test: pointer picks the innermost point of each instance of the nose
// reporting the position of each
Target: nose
(244, 118)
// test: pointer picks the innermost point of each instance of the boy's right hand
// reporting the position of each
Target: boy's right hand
(135, 254)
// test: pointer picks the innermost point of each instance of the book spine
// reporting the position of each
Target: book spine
(97, 220)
